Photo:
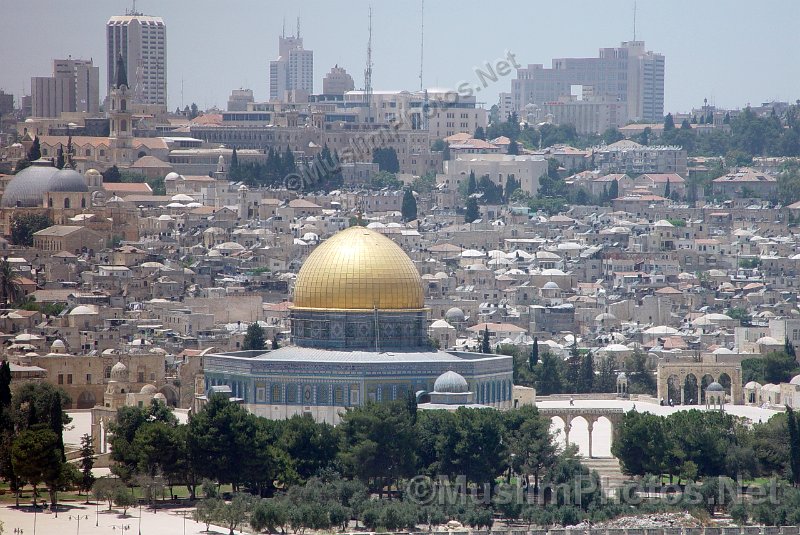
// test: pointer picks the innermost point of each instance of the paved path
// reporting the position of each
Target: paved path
(164, 522)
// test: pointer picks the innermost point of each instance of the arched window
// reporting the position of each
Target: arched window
(123, 105)
(83, 202)
(123, 125)
(66, 202)
(50, 202)
(276, 394)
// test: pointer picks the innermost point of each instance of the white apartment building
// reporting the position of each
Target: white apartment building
(527, 169)
(592, 115)
(142, 42)
(293, 70)
(506, 105)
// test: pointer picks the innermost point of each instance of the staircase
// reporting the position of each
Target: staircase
(611, 476)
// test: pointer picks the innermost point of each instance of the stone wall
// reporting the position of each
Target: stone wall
(747, 530)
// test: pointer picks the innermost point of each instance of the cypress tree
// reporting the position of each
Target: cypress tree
(794, 446)
(36, 150)
(60, 158)
(534, 357)
(409, 207)
(485, 347)
(234, 159)
(667, 190)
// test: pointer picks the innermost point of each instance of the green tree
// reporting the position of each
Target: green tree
(409, 207)
(112, 174)
(87, 463)
(269, 515)
(479, 133)
(639, 444)
(473, 212)
(36, 458)
(587, 379)
(549, 377)
(472, 184)
(534, 356)
(612, 135)
(669, 123)
(613, 191)
(788, 348)
(378, 444)
(123, 498)
(106, 488)
(667, 190)
(311, 446)
(206, 510)
(234, 159)
(485, 347)
(35, 151)
(386, 158)
(234, 513)
(254, 338)
(794, 446)
(10, 288)
(60, 158)
(531, 446)
(23, 226)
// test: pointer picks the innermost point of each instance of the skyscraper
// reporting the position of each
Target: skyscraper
(627, 74)
(293, 70)
(142, 42)
(74, 87)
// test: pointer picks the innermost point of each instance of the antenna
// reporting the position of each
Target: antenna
(368, 72)
(634, 21)
(421, 41)
(283, 33)
(298, 26)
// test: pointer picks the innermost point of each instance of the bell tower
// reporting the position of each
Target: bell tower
(121, 124)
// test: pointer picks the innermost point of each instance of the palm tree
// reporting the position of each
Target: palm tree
(10, 288)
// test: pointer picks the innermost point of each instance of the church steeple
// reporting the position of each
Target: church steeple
(122, 74)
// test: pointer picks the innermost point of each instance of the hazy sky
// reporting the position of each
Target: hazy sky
(733, 52)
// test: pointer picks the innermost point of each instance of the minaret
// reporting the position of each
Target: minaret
(121, 124)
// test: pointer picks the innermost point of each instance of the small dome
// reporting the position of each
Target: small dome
(715, 387)
(119, 373)
(441, 324)
(57, 344)
(550, 286)
(92, 173)
(148, 389)
(450, 383)
(622, 377)
(160, 397)
(752, 385)
(768, 341)
(795, 380)
(172, 176)
(82, 310)
(455, 314)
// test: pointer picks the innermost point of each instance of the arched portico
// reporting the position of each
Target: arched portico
(670, 372)
(590, 416)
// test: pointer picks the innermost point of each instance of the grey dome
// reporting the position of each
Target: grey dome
(27, 188)
(454, 314)
(67, 180)
(450, 383)
(715, 387)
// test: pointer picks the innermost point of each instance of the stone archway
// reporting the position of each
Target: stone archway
(171, 393)
(86, 400)
(689, 392)
(674, 387)
(683, 369)
(725, 380)
(706, 380)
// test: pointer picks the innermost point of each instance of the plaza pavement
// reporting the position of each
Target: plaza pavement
(163, 522)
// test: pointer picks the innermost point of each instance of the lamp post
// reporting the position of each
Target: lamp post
(96, 512)
(78, 519)
(35, 510)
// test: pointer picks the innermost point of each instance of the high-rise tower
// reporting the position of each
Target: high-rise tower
(142, 42)
(294, 68)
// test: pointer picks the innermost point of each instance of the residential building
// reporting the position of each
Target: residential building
(499, 167)
(627, 74)
(631, 158)
(593, 115)
(293, 70)
(142, 42)
(337, 82)
(86, 80)
(239, 99)
(745, 182)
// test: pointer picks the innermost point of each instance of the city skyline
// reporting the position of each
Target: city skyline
(205, 69)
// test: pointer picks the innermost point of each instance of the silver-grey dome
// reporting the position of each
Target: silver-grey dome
(454, 314)
(27, 188)
(450, 383)
(67, 180)
(715, 387)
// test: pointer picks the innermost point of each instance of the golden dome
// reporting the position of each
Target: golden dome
(358, 269)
